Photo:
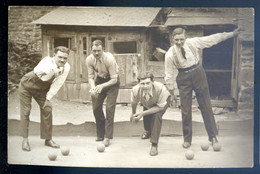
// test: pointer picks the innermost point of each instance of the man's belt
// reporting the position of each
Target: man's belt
(193, 67)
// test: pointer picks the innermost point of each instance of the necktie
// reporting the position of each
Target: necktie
(183, 52)
(146, 96)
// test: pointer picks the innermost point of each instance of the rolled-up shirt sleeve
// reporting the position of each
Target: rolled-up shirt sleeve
(91, 74)
(163, 96)
(170, 71)
(208, 41)
(134, 95)
(58, 82)
(112, 67)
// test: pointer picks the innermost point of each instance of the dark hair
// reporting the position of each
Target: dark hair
(62, 49)
(97, 43)
(145, 75)
(178, 30)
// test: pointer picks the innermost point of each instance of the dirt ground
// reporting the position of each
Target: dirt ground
(132, 152)
(127, 149)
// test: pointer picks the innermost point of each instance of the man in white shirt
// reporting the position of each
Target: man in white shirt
(104, 83)
(42, 84)
(154, 98)
(183, 70)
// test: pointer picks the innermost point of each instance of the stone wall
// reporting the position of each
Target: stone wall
(24, 41)
(246, 61)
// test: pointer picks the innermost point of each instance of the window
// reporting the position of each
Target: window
(217, 62)
(125, 47)
(62, 42)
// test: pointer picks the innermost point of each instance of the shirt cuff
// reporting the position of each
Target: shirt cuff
(48, 97)
(161, 105)
(114, 76)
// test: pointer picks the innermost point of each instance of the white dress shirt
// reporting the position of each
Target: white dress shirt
(46, 69)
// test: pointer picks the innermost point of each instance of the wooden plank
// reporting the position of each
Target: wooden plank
(223, 103)
(131, 69)
(125, 96)
(84, 94)
(71, 61)
(73, 93)
(120, 59)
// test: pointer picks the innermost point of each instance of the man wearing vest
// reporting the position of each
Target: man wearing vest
(183, 70)
(155, 98)
(42, 84)
(104, 83)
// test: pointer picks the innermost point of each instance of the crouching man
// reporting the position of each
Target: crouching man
(155, 99)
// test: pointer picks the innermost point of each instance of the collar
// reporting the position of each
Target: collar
(101, 58)
(150, 92)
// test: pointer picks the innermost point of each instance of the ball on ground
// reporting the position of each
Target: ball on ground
(189, 154)
(101, 147)
(52, 156)
(217, 147)
(65, 151)
(204, 146)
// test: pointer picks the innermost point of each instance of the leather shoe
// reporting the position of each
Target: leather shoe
(145, 135)
(154, 151)
(106, 142)
(26, 146)
(99, 139)
(51, 143)
(213, 140)
(186, 145)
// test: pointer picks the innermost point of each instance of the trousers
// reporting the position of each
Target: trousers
(153, 123)
(196, 80)
(105, 125)
(33, 87)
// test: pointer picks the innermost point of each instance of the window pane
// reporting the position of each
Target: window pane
(61, 42)
(84, 43)
(219, 84)
(125, 47)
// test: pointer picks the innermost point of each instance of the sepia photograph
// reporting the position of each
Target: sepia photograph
(131, 87)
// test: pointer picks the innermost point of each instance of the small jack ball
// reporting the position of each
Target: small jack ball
(101, 147)
(52, 156)
(217, 147)
(204, 146)
(189, 154)
(65, 151)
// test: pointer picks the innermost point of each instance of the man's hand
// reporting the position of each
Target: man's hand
(137, 117)
(47, 104)
(237, 31)
(93, 93)
(98, 88)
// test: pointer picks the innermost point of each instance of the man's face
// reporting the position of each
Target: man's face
(61, 58)
(146, 84)
(179, 40)
(97, 51)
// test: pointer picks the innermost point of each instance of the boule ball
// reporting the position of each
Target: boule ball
(189, 154)
(101, 147)
(52, 156)
(217, 147)
(204, 146)
(65, 151)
